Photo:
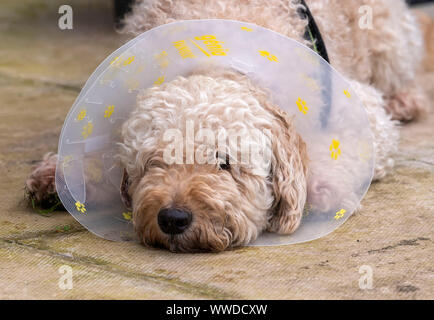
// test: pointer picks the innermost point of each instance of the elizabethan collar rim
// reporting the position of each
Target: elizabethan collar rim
(339, 140)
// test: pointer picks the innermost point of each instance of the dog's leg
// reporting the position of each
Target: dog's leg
(396, 55)
(384, 129)
(40, 185)
(407, 104)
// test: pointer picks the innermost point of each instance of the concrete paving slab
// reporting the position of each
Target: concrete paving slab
(41, 72)
(40, 274)
(30, 123)
(33, 46)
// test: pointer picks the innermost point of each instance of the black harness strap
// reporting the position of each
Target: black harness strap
(314, 35)
(312, 32)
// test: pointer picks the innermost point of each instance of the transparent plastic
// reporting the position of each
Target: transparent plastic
(327, 113)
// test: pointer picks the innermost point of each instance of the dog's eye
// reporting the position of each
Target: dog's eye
(223, 162)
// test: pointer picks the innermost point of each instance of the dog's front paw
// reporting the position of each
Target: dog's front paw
(407, 105)
(40, 185)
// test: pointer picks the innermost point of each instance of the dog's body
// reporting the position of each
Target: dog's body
(215, 205)
(385, 54)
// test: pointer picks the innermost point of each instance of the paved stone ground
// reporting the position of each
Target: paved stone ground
(41, 72)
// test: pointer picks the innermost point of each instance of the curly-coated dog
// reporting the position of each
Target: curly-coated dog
(213, 205)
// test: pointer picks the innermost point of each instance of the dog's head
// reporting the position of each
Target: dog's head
(210, 163)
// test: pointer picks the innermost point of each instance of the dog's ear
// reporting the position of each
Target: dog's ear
(288, 174)
(126, 199)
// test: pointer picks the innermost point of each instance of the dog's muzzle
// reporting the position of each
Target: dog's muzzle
(174, 221)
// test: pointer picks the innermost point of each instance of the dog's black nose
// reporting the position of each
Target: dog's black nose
(174, 221)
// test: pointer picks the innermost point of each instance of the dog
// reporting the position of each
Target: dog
(214, 205)
(185, 206)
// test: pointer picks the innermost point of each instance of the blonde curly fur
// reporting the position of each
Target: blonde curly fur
(230, 207)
